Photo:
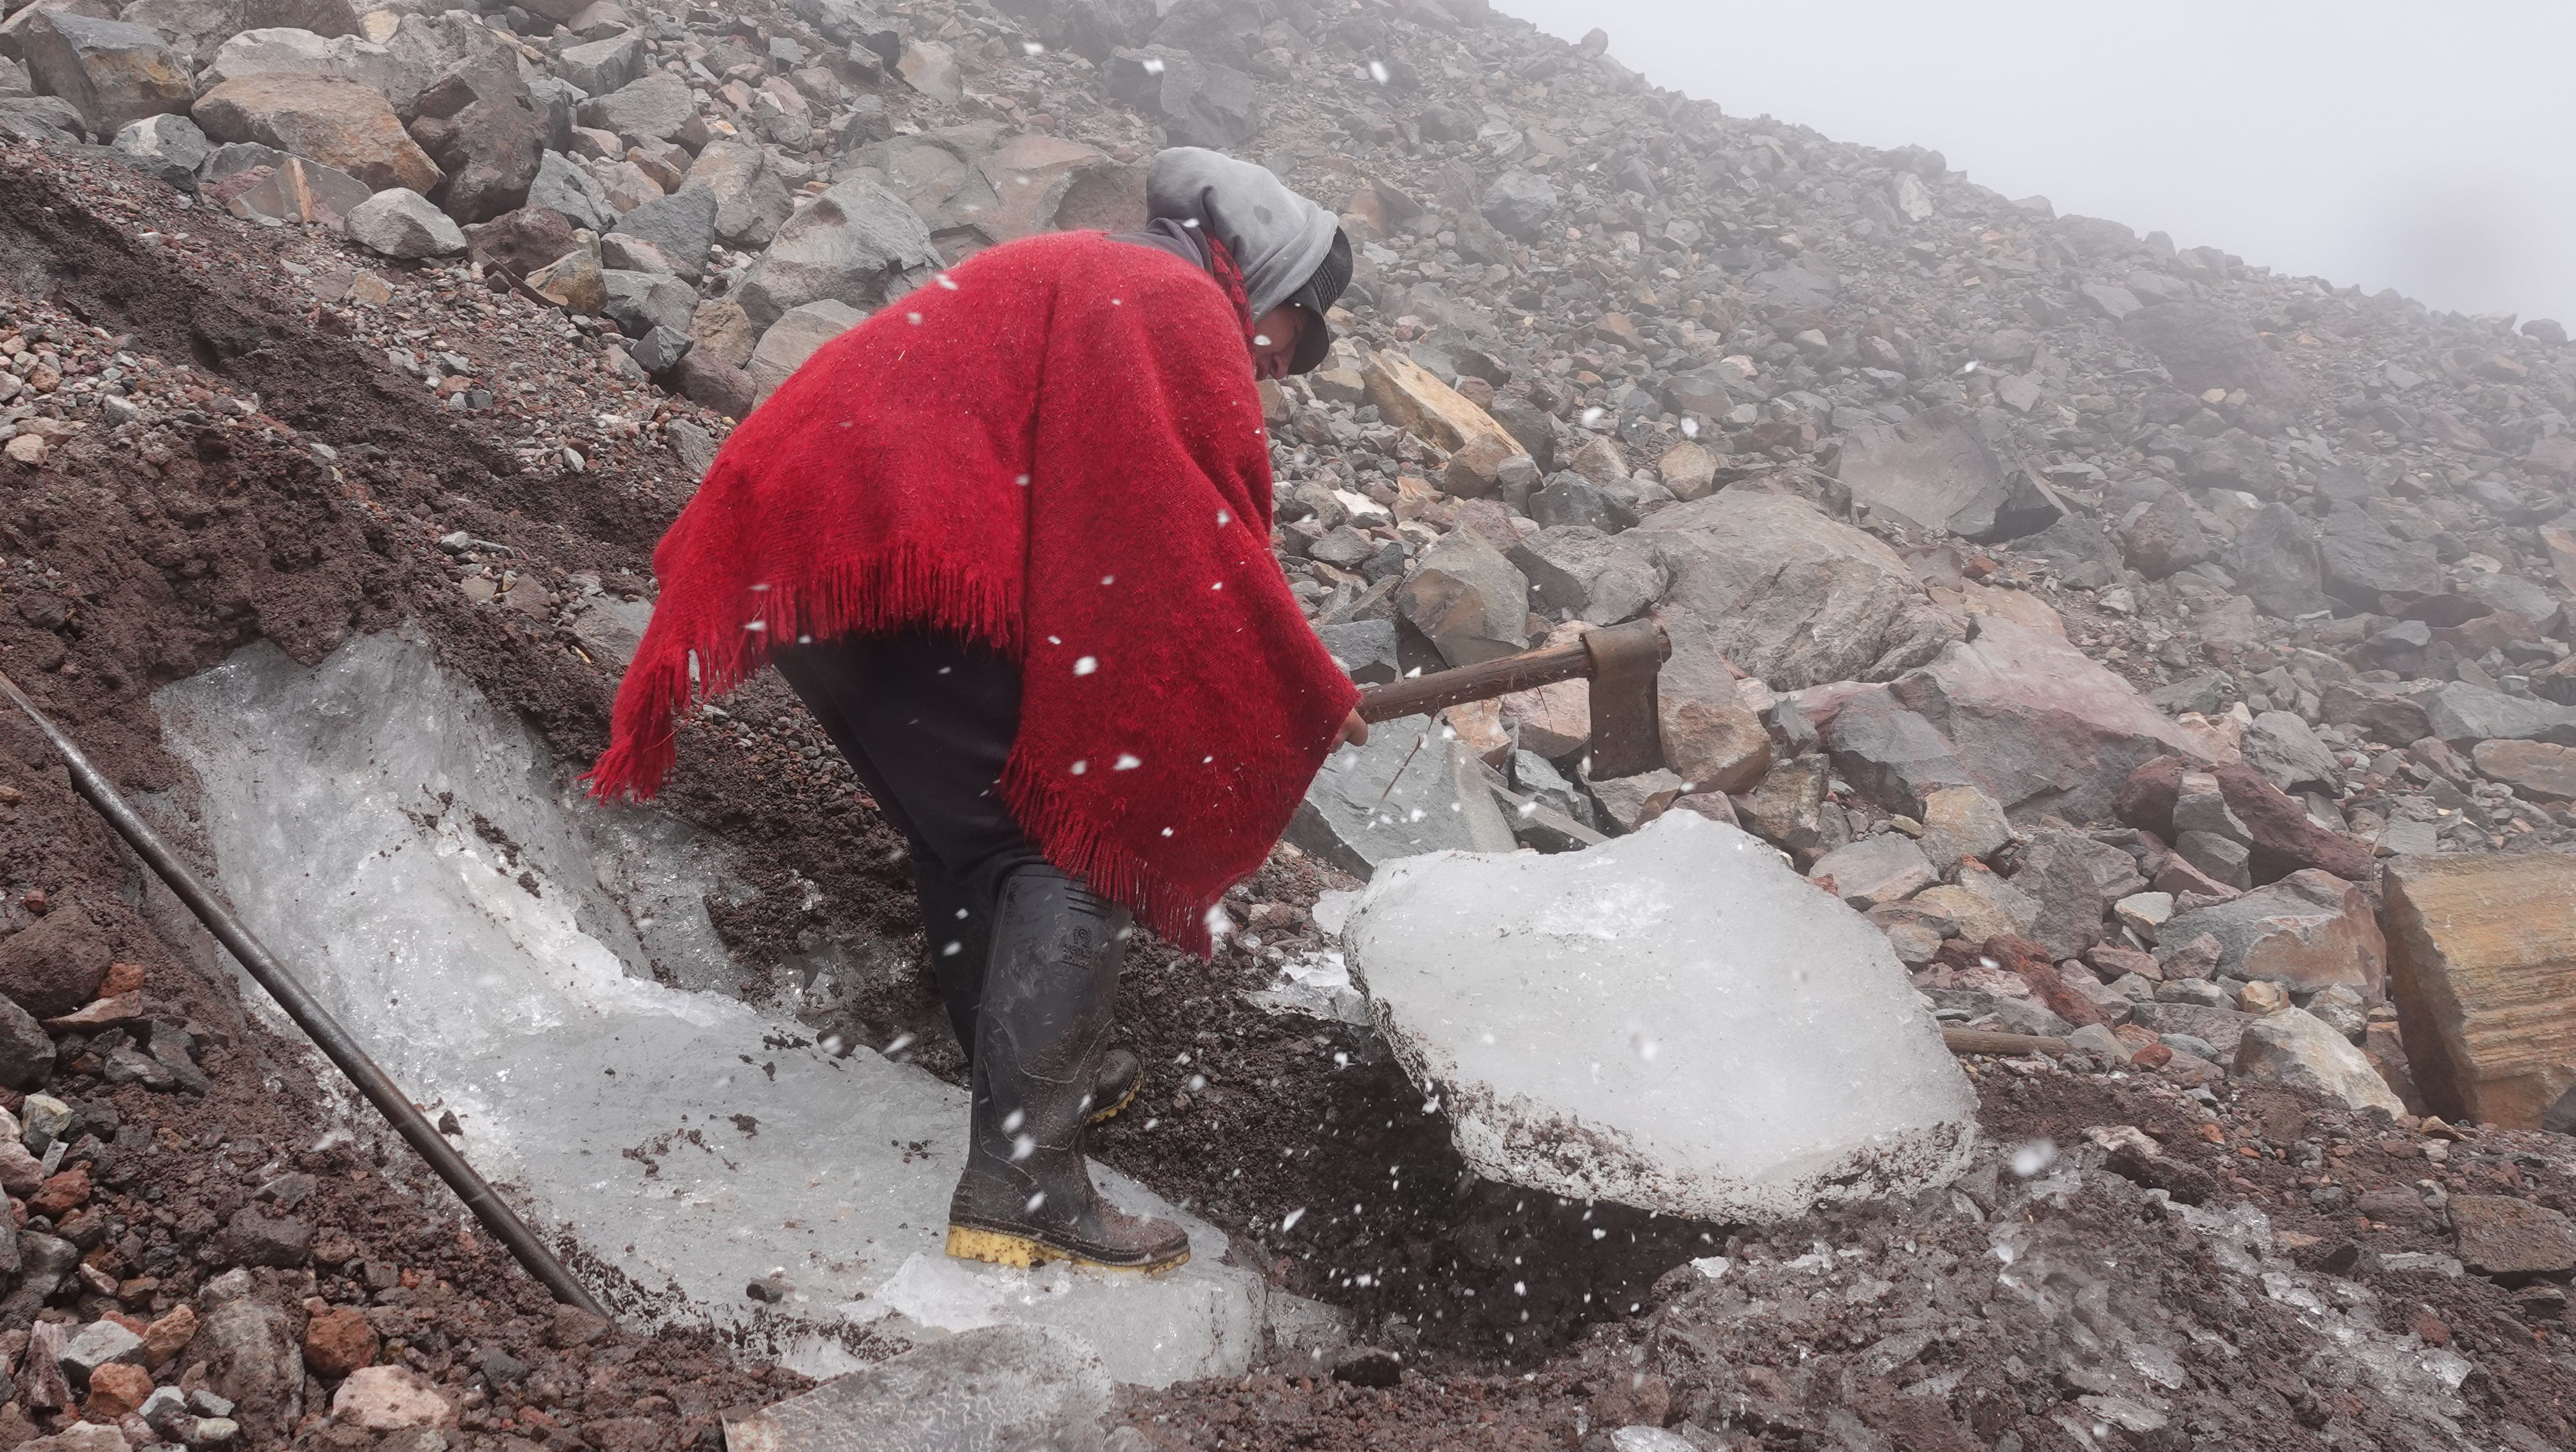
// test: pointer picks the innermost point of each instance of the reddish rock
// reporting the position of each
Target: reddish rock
(339, 1341)
(115, 1390)
(2031, 961)
(2285, 841)
(55, 964)
(60, 1194)
(167, 1337)
(121, 979)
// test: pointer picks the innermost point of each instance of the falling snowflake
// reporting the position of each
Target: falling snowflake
(1690, 428)
(1126, 762)
(1289, 1220)
(1086, 665)
(1224, 517)
(2032, 1156)
(1080, 767)
(1031, 48)
(944, 280)
(1377, 72)
(1593, 415)
(913, 318)
(1153, 66)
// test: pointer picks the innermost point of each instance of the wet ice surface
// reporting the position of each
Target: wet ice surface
(442, 887)
(1674, 1020)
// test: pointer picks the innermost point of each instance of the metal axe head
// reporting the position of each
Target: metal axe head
(1627, 722)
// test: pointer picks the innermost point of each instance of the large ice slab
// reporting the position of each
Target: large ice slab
(1674, 1020)
(493, 939)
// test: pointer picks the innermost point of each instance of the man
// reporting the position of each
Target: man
(1008, 539)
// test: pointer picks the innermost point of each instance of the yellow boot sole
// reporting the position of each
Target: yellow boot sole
(1103, 1116)
(997, 1247)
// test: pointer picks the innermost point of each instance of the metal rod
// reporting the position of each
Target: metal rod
(309, 1015)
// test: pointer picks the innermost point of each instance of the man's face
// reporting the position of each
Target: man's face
(1274, 340)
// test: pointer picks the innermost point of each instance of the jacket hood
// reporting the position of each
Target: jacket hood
(1277, 237)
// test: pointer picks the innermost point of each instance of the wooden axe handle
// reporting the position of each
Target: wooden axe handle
(1486, 680)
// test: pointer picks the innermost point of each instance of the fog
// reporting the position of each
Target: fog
(2427, 148)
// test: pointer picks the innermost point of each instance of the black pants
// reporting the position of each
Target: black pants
(927, 720)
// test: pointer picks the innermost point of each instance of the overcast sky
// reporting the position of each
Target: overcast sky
(2425, 147)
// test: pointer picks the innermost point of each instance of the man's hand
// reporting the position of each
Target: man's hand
(1354, 731)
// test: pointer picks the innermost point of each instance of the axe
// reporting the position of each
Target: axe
(1622, 662)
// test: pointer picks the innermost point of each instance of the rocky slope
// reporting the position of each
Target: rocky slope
(2106, 619)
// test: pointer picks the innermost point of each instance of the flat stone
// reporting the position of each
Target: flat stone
(752, 201)
(657, 106)
(170, 147)
(1716, 746)
(1409, 397)
(2310, 930)
(2534, 769)
(1600, 577)
(1962, 822)
(98, 1344)
(2512, 1240)
(2463, 715)
(795, 337)
(1984, 905)
(1874, 870)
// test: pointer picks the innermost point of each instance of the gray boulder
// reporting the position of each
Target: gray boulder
(1937, 471)
(2464, 715)
(2276, 563)
(787, 343)
(639, 302)
(1200, 103)
(167, 146)
(680, 226)
(857, 243)
(1519, 204)
(1770, 583)
(563, 185)
(2075, 880)
(658, 106)
(109, 71)
(1602, 579)
(41, 118)
(2360, 560)
(602, 66)
(2013, 711)
(2205, 346)
(399, 222)
(1467, 599)
(2280, 746)
(751, 198)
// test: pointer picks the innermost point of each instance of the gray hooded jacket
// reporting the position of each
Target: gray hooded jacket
(1277, 237)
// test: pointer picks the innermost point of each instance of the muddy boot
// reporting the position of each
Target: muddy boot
(1026, 1197)
(958, 931)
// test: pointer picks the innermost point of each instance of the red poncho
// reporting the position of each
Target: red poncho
(1055, 449)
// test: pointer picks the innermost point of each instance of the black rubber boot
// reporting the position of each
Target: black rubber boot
(1026, 1197)
(958, 931)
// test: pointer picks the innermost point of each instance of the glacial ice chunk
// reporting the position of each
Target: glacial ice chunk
(542, 969)
(1674, 1020)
